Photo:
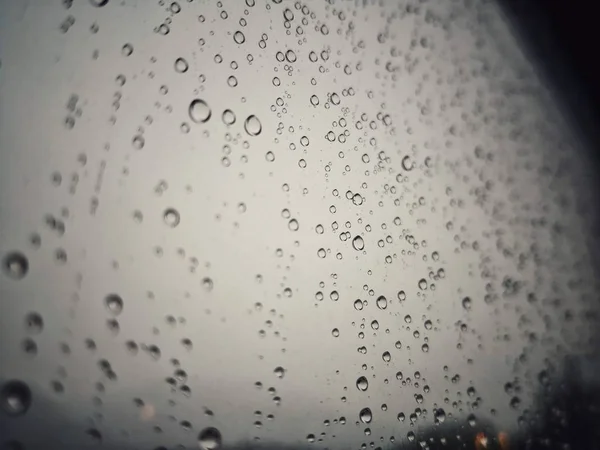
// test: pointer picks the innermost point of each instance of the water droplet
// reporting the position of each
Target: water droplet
(15, 265)
(279, 372)
(138, 142)
(362, 384)
(94, 434)
(386, 356)
(290, 56)
(365, 415)
(171, 217)
(29, 346)
(358, 243)
(207, 284)
(210, 439)
(382, 302)
(314, 100)
(321, 253)
(466, 303)
(199, 111)
(127, 50)
(252, 125)
(228, 117)
(407, 163)
(181, 65)
(335, 332)
(293, 225)
(239, 37)
(423, 284)
(15, 398)
(114, 304)
(319, 229)
(358, 305)
(34, 323)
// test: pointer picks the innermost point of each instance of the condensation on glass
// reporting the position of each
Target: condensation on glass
(342, 224)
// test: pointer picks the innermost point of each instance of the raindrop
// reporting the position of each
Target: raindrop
(171, 217)
(358, 243)
(466, 303)
(279, 372)
(381, 302)
(181, 65)
(228, 117)
(15, 265)
(386, 357)
(358, 305)
(293, 225)
(207, 284)
(239, 37)
(321, 253)
(407, 163)
(127, 50)
(114, 304)
(34, 323)
(15, 398)
(94, 434)
(362, 384)
(290, 56)
(335, 332)
(252, 125)
(210, 439)
(365, 415)
(199, 111)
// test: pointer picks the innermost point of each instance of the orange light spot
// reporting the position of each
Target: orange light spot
(503, 440)
(481, 441)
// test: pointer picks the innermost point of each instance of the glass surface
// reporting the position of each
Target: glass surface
(285, 224)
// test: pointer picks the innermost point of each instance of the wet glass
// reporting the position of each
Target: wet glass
(266, 223)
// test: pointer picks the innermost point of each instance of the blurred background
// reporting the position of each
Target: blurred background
(320, 224)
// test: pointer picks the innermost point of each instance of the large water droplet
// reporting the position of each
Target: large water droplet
(382, 302)
(279, 372)
(362, 384)
(15, 398)
(358, 243)
(252, 125)
(210, 439)
(114, 304)
(239, 37)
(365, 415)
(15, 265)
(199, 111)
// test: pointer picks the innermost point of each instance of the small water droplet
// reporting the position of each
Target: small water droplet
(228, 117)
(362, 384)
(358, 243)
(181, 65)
(114, 304)
(15, 398)
(199, 111)
(34, 323)
(171, 217)
(252, 125)
(386, 356)
(365, 415)
(210, 439)
(358, 305)
(239, 37)
(15, 265)
(382, 302)
(279, 372)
